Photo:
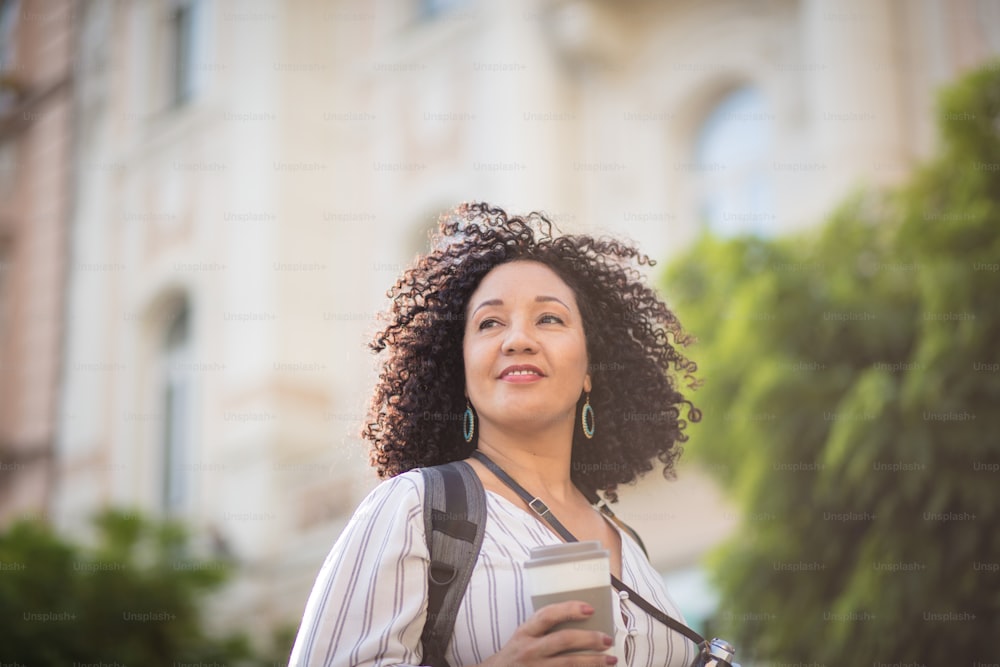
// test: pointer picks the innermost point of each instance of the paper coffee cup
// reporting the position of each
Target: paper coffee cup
(573, 571)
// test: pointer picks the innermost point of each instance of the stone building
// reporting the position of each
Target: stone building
(250, 177)
(36, 144)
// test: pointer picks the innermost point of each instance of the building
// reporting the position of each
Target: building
(36, 149)
(249, 178)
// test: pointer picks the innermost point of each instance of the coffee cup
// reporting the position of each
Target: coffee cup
(573, 571)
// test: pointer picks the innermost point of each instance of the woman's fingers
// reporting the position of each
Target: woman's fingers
(562, 641)
(551, 615)
(554, 647)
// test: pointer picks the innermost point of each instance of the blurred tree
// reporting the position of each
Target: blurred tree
(134, 599)
(853, 381)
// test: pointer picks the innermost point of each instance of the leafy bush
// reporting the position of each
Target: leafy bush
(134, 599)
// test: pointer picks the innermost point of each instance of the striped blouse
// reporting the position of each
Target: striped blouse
(369, 602)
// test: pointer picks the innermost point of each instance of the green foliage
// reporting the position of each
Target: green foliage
(132, 599)
(852, 380)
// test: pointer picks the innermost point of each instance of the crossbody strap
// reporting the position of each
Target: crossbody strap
(542, 510)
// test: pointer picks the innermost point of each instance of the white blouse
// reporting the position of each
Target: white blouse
(369, 602)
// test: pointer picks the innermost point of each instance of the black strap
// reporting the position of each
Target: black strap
(542, 510)
(455, 522)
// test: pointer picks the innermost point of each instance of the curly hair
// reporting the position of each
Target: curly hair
(415, 416)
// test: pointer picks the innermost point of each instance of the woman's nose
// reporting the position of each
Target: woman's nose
(519, 338)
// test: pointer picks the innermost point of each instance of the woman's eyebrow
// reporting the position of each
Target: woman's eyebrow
(488, 302)
(538, 299)
(542, 299)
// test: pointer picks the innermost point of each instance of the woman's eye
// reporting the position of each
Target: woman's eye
(550, 319)
(487, 324)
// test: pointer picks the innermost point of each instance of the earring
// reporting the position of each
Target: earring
(468, 422)
(587, 419)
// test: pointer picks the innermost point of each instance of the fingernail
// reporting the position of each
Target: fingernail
(586, 609)
(611, 660)
(608, 641)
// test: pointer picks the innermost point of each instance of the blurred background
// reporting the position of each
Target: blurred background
(204, 202)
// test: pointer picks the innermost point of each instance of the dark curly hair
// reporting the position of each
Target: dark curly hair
(415, 417)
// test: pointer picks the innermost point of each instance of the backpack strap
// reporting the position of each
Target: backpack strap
(455, 522)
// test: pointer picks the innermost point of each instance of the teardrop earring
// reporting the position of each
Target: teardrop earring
(587, 419)
(468, 422)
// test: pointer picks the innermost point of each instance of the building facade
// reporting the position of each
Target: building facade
(36, 147)
(249, 179)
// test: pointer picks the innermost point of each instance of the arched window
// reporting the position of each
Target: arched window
(732, 153)
(185, 50)
(175, 403)
(432, 9)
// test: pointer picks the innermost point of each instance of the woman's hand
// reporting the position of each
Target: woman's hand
(530, 645)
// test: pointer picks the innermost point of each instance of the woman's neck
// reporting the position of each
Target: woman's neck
(540, 464)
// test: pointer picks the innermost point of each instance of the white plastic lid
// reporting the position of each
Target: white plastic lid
(568, 552)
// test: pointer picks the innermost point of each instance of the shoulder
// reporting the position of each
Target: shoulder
(377, 564)
(409, 483)
(389, 518)
(403, 493)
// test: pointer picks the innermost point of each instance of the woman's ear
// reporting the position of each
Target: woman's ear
(586, 383)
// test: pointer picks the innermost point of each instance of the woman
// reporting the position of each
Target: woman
(563, 363)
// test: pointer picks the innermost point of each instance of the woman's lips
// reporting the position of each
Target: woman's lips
(521, 374)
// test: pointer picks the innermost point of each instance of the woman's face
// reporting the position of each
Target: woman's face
(524, 348)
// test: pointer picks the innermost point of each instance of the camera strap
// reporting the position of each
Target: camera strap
(542, 510)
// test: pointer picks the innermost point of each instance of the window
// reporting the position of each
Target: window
(9, 12)
(431, 9)
(175, 405)
(735, 193)
(183, 34)
(6, 264)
